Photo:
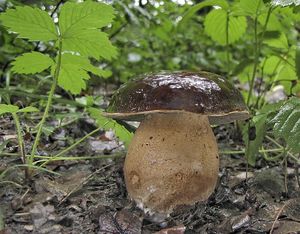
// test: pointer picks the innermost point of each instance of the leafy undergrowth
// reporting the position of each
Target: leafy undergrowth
(89, 196)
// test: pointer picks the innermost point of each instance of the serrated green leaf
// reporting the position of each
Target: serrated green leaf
(215, 26)
(4, 108)
(74, 72)
(30, 63)
(82, 63)
(28, 109)
(121, 132)
(252, 8)
(31, 23)
(287, 123)
(297, 62)
(90, 43)
(75, 17)
(281, 42)
(79, 25)
(72, 79)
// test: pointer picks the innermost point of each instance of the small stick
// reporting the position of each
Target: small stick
(277, 216)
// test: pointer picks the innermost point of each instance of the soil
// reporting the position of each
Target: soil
(89, 196)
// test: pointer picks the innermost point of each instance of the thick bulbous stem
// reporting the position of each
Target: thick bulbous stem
(172, 161)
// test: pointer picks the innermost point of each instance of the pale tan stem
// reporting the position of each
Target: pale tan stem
(172, 161)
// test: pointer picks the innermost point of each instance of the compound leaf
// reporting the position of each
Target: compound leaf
(30, 63)
(121, 132)
(31, 23)
(287, 123)
(216, 23)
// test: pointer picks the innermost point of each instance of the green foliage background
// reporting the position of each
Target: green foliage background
(254, 43)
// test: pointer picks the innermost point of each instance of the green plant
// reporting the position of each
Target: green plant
(255, 46)
(268, 56)
(76, 38)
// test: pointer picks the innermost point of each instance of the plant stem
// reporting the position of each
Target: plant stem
(257, 43)
(20, 141)
(256, 58)
(49, 101)
(10, 182)
(72, 146)
(227, 41)
(285, 172)
(22, 93)
(45, 158)
(3, 173)
(279, 145)
(243, 151)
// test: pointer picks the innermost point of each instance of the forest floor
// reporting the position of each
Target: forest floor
(89, 196)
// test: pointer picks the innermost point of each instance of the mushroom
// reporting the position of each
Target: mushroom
(173, 158)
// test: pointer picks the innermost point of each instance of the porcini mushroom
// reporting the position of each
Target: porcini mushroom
(173, 157)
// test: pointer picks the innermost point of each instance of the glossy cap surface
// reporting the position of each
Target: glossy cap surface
(198, 92)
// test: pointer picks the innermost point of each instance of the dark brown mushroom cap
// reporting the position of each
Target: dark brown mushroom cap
(168, 92)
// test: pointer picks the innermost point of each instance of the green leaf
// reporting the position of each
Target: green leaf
(30, 63)
(252, 147)
(71, 78)
(74, 72)
(297, 62)
(271, 65)
(252, 8)
(4, 108)
(287, 123)
(28, 109)
(192, 10)
(286, 74)
(79, 25)
(121, 132)
(260, 122)
(75, 17)
(281, 42)
(90, 42)
(285, 2)
(215, 26)
(31, 23)
(274, 24)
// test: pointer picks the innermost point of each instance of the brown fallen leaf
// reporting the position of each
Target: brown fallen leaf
(286, 227)
(292, 209)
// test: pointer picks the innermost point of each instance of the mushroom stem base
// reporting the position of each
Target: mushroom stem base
(172, 161)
